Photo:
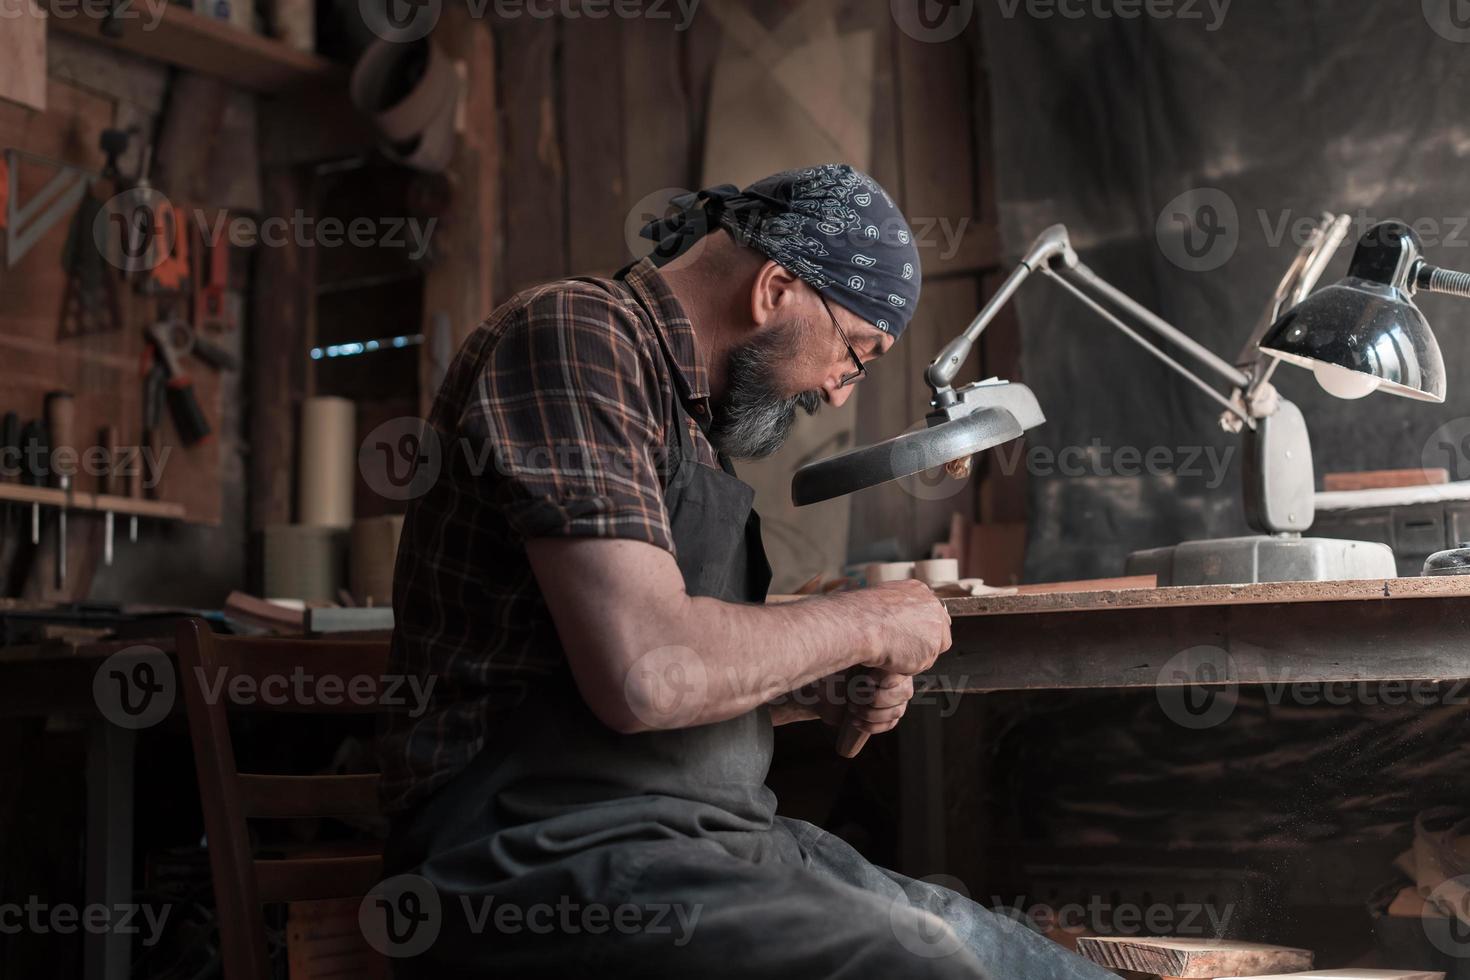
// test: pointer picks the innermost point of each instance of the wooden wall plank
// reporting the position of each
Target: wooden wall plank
(23, 55)
(534, 184)
(657, 152)
(592, 115)
(280, 338)
(885, 513)
(935, 83)
(461, 284)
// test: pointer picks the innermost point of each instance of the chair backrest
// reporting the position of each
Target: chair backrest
(221, 674)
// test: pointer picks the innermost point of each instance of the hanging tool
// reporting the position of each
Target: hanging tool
(90, 301)
(36, 463)
(214, 307)
(61, 416)
(26, 223)
(154, 386)
(168, 346)
(12, 467)
(107, 483)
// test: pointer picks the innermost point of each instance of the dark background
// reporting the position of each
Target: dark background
(1287, 109)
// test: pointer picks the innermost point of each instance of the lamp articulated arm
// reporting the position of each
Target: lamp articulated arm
(1052, 254)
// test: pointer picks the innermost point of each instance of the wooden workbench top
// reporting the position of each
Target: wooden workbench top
(1213, 595)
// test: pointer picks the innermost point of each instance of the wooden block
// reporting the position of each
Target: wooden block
(1379, 479)
(23, 54)
(1207, 958)
(996, 553)
(1409, 904)
(1091, 585)
(1351, 973)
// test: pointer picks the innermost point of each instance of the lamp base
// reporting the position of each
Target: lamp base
(1264, 558)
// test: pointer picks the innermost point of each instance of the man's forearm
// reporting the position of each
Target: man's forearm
(712, 660)
(646, 655)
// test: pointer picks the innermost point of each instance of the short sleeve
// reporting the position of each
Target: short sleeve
(567, 413)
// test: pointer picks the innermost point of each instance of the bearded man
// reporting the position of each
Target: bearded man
(585, 794)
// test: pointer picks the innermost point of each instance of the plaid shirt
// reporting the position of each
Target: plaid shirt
(552, 421)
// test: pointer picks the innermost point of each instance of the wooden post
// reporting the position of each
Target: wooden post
(461, 282)
(281, 332)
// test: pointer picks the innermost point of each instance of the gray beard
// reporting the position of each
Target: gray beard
(754, 419)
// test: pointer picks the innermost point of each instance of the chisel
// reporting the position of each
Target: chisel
(61, 415)
(107, 483)
(12, 464)
(34, 466)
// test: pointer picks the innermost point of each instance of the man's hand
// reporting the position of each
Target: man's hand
(913, 626)
(867, 699)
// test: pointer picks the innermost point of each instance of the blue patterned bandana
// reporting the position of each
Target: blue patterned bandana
(832, 226)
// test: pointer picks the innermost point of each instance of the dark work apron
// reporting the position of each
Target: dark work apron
(545, 810)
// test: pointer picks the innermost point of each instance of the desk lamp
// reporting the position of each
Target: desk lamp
(1359, 335)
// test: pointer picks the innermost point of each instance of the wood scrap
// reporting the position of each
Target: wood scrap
(23, 55)
(1091, 585)
(1381, 479)
(1351, 973)
(264, 614)
(1207, 958)
(996, 552)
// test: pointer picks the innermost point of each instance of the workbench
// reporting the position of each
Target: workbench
(1408, 629)
(57, 678)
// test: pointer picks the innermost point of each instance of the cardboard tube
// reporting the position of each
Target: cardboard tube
(328, 462)
(304, 562)
(374, 550)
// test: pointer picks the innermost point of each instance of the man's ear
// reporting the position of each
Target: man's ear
(775, 289)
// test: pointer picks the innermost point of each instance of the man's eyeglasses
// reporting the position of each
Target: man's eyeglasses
(859, 371)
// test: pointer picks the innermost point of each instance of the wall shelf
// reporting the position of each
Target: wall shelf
(198, 43)
(19, 493)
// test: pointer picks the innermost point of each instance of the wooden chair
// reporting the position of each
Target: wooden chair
(243, 882)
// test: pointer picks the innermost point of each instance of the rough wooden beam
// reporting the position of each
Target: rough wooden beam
(461, 283)
(279, 338)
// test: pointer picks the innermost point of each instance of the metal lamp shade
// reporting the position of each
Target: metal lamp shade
(1372, 328)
